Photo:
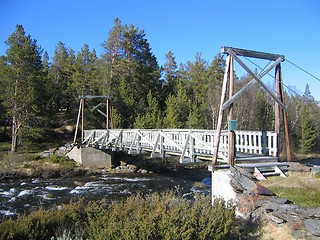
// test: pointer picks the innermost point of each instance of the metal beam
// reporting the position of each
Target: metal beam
(253, 54)
(256, 77)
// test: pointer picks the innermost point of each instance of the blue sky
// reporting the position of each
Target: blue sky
(287, 27)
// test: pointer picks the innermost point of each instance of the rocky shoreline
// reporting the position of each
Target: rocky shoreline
(39, 166)
(258, 204)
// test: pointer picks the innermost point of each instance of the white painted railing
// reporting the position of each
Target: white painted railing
(189, 144)
(256, 142)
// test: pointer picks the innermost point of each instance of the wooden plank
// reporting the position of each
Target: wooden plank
(277, 107)
(219, 124)
(258, 175)
(279, 171)
(284, 114)
(231, 134)
(77, 124)
(260, 165)
(82, 120)
(253, 54)
(91, 97)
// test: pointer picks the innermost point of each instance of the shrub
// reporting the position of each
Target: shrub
(54, 158)
(162, 216)
(154, 216)
(43, 224)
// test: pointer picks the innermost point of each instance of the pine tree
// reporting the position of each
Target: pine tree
(3, 83)
(170, 74)
(151, 119)
(307, 96)
(308, 132)
(132, 69)
(177, 109)
(263, 113)
(194, 118)
(216, 73)
(84, 75)
(24, 82)
(61, 77)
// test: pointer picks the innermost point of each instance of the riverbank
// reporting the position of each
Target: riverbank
(54, 163)
(98, 181)
(16, 166)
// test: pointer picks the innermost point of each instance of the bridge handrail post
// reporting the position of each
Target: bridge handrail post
(162, 152)
(191, 142)
(264, 143)
(138, 143)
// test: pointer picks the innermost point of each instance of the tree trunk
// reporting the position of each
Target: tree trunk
(15, 129)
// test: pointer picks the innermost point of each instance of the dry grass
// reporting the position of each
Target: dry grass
(300, 188)
(271, 231)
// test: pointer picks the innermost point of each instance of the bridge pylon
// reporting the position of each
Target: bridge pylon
(105, 100)
(277, 95)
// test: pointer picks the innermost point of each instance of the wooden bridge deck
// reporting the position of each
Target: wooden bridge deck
(190, 144)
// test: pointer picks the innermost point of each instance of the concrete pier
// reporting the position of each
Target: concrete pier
(92, 157)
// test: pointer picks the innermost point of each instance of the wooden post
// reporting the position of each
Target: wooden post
(231, 134)
(277, 107)
(77, 124)
(219, 124)
(279, 88)
(107, 123)
(82, 121)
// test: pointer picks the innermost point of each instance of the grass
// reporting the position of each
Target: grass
(300, 188)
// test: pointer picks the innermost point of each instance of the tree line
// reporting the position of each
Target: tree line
(37, 92)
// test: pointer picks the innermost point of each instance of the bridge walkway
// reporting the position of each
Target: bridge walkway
(190, 145)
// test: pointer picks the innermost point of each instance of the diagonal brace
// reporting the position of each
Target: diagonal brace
(250, 84)
(257, 78)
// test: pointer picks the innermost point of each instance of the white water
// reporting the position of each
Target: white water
(19, 196)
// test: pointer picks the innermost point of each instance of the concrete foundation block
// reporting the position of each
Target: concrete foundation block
(92, 157)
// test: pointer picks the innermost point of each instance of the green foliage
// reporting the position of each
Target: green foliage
(309, 133)
(44, 224)
(61, 73)
(151, 119)
(84, 73)
(177, 109)
(54, 158)
(24, 86)
(154, 216)
(194, 118)
(132, 70)
(170, 75)
(263, 117)
(33, 89)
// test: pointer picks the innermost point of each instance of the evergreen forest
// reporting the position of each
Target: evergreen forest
(39, 93)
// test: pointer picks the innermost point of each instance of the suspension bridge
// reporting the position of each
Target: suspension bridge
(253, 150)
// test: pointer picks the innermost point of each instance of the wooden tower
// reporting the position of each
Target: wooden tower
(277, 95)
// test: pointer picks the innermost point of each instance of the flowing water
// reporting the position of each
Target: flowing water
(18, 196)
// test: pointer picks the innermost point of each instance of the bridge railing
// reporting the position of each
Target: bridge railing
(189, 144)
(257, 142)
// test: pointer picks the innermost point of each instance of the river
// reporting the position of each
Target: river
(18, 196)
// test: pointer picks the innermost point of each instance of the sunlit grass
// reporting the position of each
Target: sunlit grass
(302, 189)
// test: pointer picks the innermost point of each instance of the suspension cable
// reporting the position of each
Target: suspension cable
(303, 70)
(262, 69)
